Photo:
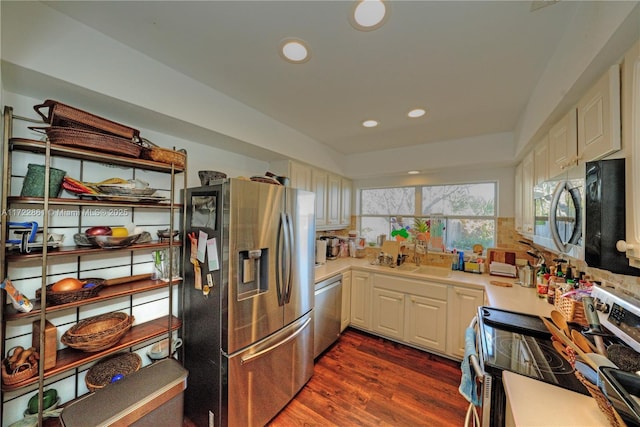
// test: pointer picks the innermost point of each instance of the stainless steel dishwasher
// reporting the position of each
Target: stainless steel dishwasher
(327, 313)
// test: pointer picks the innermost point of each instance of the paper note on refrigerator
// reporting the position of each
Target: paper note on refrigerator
(202, 245)
(212, 254)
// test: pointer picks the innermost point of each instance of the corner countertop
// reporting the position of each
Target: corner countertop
(515, 298)
(533, 402)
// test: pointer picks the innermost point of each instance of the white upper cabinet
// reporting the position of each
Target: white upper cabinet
(300, 176)
(563, 144)
(599, 118)
(334, 198)
(518, 198)
(345, 202)
(540, 161)
(319, 185)
(631, 138)
(527, 193)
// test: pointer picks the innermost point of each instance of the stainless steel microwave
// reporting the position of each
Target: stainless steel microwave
(559, 216)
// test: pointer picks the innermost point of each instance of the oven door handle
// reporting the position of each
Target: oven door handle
(473, 358)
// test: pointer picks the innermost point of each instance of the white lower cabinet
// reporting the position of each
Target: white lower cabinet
(361, 299)
(426, 322)
(388, 312)
(463, 305)
(346, 300)
(418, 312)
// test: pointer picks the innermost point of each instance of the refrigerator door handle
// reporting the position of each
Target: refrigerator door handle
(280, 259)
(259, 353)
(288, 249)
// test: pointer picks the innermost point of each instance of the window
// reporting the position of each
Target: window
(448, 216)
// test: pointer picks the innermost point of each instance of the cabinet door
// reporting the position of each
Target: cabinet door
(319, 180)
(345, 203)
(563, 144)
(599, 118)
(300, 176)
(426, 322)
(518, 198)
(540, 161)
(631, 129)
(346, 301)
(463, 306)
(361, 299)
(333, 199)
(527, 194)
(388, 312)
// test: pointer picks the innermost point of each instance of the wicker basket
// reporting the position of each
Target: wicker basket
(97, 333)
(164, 155)
(102, 373)
(90, 140)
(17, 376)
(571, 309)
(60, 114)
(603, 403)
(65, 297)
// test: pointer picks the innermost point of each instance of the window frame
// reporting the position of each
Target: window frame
(418, 205)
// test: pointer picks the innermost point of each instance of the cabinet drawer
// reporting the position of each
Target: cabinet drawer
(411, 286)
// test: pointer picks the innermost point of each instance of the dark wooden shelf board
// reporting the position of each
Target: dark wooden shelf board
(69, 358)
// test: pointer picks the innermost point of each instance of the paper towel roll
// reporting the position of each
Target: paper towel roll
(321, 251)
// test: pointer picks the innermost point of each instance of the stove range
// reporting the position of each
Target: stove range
(520, 343)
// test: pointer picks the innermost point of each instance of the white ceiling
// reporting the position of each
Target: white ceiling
(473, 65)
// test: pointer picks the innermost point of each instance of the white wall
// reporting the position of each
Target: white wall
(63, 49)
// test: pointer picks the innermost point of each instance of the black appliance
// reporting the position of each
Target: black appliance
(520, 343)
(605, 216)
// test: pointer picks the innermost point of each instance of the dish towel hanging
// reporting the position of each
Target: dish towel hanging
(468, 384)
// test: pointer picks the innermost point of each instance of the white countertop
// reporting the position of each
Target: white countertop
(534, 402)
(515, 298)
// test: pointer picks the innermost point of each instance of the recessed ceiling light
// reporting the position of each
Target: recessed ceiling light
(413, 172)
(294, 50)
(368, 15)
(417, 112)
(370, 123)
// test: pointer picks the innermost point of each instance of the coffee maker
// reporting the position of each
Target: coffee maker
(333, 247)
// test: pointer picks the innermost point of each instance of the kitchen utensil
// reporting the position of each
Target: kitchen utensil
(594, 324)
(582, 342)
(561, 349)
(587, 371)
(560, 322)
(126, 279)
(560, 336)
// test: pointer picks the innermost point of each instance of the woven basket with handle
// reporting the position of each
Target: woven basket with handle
(571, 309)
(62, 115)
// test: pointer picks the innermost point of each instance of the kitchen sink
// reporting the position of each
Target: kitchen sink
(407, 267)
(433, 271)
(427, 270)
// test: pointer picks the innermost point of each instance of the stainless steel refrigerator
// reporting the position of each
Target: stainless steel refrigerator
(248, 300)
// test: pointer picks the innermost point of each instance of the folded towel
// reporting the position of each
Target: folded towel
(468, 384)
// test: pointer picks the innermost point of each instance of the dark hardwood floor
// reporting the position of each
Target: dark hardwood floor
(364, 380)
